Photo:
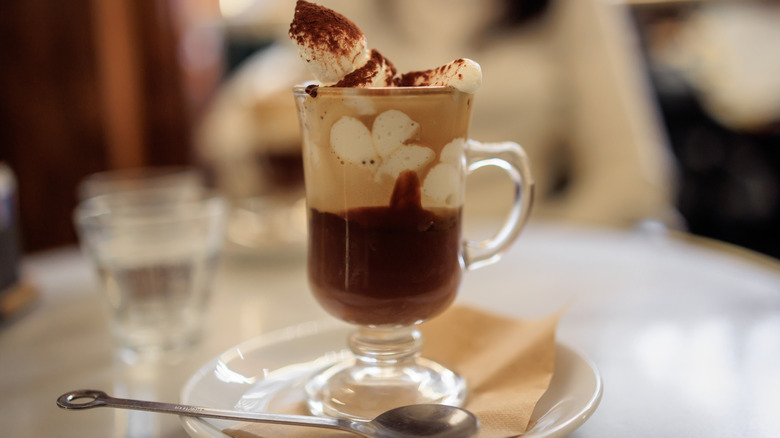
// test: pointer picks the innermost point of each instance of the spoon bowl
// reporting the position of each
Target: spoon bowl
(412, 421)
(426, 420)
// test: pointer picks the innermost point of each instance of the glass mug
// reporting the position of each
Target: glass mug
(385, 172)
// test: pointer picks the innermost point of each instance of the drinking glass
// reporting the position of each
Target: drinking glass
(155, 257)
(166, 182)
(385, 172)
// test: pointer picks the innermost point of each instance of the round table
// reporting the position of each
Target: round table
(685, 332)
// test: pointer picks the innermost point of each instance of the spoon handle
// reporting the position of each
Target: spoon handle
(89, 398)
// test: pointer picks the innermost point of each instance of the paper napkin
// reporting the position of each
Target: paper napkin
(507, 363)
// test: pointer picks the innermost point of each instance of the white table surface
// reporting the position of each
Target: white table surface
(686, 336)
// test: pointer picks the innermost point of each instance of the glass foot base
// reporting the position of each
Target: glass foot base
(361, 391)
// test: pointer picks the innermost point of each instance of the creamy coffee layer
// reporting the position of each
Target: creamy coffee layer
(358, 141)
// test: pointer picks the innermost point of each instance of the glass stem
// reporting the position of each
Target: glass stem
(378, 346)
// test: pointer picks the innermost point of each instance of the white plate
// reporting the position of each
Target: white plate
(243, 377)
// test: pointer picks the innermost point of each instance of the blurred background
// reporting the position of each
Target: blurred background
(633, 112)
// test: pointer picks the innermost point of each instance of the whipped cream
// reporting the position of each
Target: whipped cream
(336, 52)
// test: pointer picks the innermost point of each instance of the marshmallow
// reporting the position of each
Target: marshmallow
(442, 184)
(406, 157)
(378, 71)
(331, 44)
(350, 139)
(462, 74)
(335, 51)
(392, 129)
(452, 153)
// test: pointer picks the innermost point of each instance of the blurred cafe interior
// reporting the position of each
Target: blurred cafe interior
(664, 113)
(650, 118)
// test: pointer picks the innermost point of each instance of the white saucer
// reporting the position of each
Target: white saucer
(256, 373)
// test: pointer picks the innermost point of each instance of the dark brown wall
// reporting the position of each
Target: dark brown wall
(87, 85)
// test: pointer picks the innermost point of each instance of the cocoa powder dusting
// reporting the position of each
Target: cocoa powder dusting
(425, 78)
(315, 25)
(415, 78)
(365, 75)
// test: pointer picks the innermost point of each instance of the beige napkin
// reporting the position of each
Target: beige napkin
(507, 364)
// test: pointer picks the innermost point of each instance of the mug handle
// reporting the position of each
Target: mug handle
(510, 157)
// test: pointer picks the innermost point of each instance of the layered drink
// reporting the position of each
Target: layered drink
(385, 165)
(384, 184)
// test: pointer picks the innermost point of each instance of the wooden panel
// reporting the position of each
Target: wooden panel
(85, 86)
(51, 132)
(117, 56)
(166, 119)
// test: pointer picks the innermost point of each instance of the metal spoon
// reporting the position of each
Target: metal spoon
(426, 420)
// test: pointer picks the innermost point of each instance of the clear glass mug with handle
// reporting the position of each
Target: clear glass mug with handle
(385, 172)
